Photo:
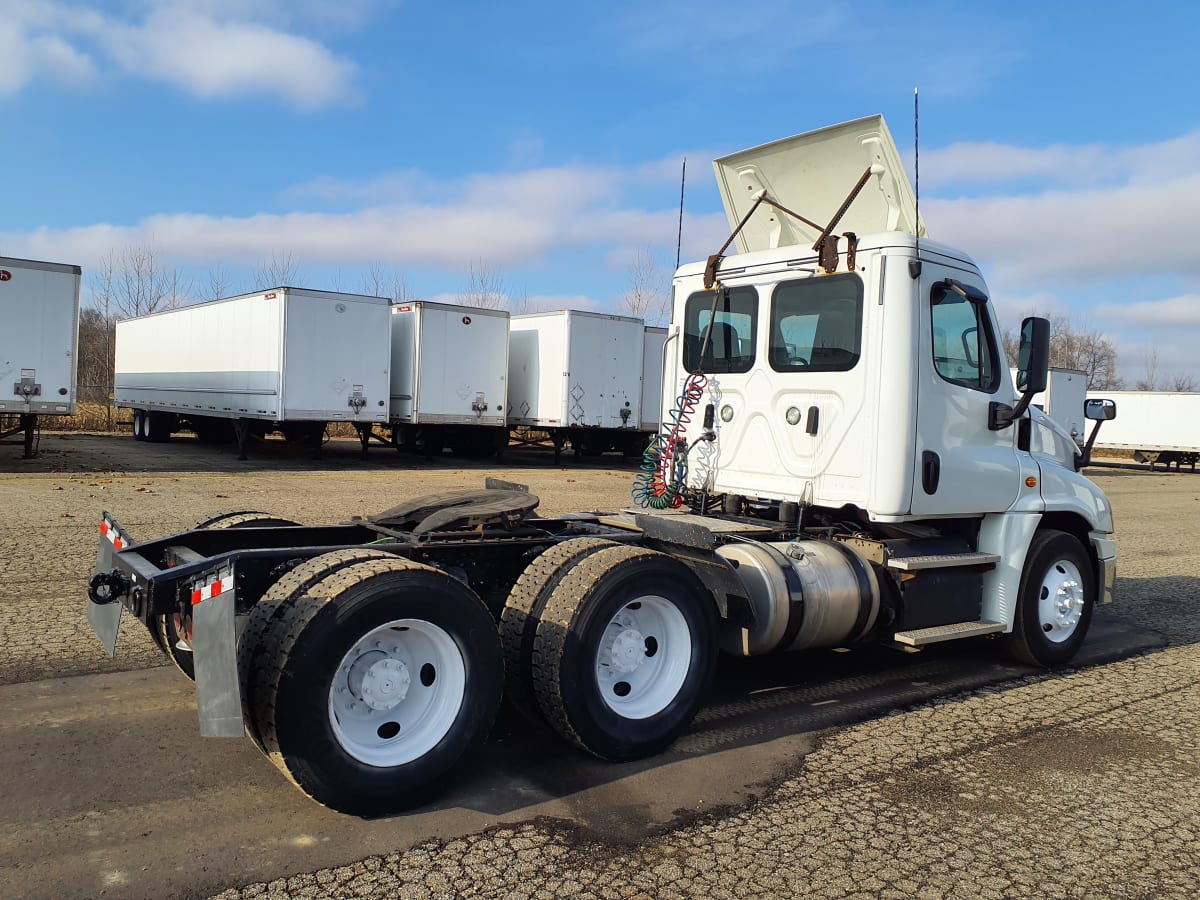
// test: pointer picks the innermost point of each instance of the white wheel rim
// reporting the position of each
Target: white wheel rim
(397, 692)
(1060, 601)
(643, 657)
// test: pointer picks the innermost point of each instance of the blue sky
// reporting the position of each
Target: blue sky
(541, 142)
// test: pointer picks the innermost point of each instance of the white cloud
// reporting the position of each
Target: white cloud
(1081, 237)
(25, 57)
(210, 49)
(1171, 313)
(1062, 164)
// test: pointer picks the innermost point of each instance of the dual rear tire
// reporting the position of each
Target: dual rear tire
(617, 647)
(368, 679)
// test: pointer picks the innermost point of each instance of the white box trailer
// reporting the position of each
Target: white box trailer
(1063, 399)
(286, 359)
(1158, 426)
(449, 378)
(39, 343)
(578, 376)
(652, 371)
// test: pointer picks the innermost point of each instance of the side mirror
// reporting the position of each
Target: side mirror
(1033, 361)
(1033, 368)
(1099, 410)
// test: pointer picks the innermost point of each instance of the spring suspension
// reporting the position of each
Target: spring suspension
(662, 479)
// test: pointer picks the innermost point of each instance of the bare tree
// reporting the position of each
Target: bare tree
(1184, 381)
(485, 288)
(219, 283)
(381, 281)
(648, 297)
(278, 271)
(136, 285)
(1075, 347)
(97, 339)
(1150, 381)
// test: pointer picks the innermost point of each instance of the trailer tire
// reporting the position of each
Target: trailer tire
(166, 626)
(251, 651)
(139, 425)
(523, 608)
(624, 653)
(158, 426)
(1055, 602)
(385, 641)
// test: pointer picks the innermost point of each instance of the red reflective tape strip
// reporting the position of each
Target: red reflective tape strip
(103, 527)
(118, 543)
(216, 588)
(196, 598)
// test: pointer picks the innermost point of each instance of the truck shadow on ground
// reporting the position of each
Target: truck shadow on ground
(754, 702)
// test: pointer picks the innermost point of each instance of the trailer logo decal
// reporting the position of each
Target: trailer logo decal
(5, 275)
(466, 320)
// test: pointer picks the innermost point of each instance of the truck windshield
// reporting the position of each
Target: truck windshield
(733, 326)
(816, 324)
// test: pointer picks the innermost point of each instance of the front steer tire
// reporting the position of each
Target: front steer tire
(624, 653)
(379, 682)
(1055, 602)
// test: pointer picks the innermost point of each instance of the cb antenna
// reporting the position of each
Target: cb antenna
(679, 235)
(914, 265)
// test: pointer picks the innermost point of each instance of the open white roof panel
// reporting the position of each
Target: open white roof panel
(812, 174)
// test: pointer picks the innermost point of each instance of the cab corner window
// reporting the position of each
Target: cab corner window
(964, 349)
(720, 339)
(816, 324)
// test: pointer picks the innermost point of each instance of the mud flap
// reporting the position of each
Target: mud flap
(105, 619)
(214, 654)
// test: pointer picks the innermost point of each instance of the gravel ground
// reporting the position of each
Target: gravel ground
(1084, 783)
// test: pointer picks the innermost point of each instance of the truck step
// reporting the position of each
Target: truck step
(922, 636)
(942, 561)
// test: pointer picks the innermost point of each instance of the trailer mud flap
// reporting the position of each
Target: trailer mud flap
(105, 618)
(214, 652)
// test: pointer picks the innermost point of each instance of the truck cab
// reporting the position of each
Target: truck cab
(865, 384)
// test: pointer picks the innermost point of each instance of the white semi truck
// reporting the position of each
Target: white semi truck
(285, 359)
(39, 344)
(844, 466)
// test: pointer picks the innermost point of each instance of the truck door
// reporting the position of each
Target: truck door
(961, 466)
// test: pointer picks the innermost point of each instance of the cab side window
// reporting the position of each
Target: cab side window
(964, 348)
(720, 339)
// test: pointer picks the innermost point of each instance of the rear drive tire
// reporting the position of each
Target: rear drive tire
(169, 628)
(1055, 603)
(624, 652)
(523, 608)
(252, 674)
(383, 678)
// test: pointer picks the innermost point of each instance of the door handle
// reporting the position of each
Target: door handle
(931, 471)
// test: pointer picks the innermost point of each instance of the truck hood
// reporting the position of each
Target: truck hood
(812, 174)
